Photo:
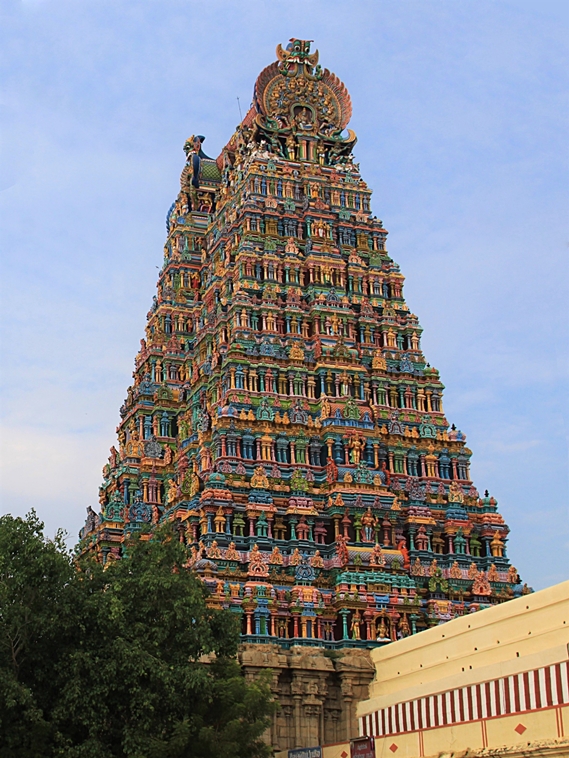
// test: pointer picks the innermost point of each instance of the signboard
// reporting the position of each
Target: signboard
(364, 747)
(306, 752)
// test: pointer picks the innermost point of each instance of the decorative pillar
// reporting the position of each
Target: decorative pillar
(344, 613)
(292, 452)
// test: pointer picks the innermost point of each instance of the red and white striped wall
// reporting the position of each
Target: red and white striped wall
(529, 691)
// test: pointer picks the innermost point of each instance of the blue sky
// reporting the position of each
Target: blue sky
(460, 107)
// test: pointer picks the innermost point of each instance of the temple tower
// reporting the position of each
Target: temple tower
(283, 414)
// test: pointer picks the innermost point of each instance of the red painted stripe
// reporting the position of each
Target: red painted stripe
(479, 700)
(537, 685)
(558, 683)
(526, 690)
(517, 705)
(437, 710)
(421, 725)
(487, 689)
(548, 685)
(430, 711)
(507, 697)
(470, 714)
(444, 713)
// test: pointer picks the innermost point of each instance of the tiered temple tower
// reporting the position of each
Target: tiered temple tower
(282, 412)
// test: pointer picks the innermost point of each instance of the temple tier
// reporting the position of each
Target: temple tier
(282, 413)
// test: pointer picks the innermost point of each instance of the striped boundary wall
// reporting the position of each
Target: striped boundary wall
(518, 693)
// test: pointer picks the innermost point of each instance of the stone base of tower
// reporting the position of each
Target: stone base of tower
(317, 690)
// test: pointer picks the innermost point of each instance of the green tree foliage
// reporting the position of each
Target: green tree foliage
(123, 661)
(35, 576)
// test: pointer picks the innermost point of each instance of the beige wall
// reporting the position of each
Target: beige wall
(518, 636)
(521, 634)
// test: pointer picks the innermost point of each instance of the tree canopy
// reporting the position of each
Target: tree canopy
(125, 660)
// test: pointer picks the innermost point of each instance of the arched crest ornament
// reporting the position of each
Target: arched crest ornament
(295, 98)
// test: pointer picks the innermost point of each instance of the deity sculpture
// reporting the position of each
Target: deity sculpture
(295, 558)
(355, 626)
(368, 523)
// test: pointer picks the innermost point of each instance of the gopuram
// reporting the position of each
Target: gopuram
(283, 416)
